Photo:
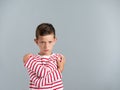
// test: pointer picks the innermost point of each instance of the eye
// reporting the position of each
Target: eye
(42, 42)
(50, 41)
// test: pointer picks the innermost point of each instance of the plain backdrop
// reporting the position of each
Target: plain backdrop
(88, 33)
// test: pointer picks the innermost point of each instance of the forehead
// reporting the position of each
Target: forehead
(46, 37)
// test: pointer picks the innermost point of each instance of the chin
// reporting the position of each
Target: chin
(49, 53)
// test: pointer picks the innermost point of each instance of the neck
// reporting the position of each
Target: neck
(42, 54)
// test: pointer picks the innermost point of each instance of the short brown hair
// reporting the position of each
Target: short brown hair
(45, 29)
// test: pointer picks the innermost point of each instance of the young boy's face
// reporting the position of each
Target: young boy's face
(46, 44)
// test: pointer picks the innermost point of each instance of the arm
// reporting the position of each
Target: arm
(31, 64)
(49, 78)
(41, 70)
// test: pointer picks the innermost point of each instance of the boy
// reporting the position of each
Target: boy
(45, 68)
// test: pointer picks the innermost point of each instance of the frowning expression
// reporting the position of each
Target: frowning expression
(46, 44)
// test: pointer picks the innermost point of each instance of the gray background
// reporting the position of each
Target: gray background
(88, 35)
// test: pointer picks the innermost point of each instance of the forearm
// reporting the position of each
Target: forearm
(38, 68)
(52, 76)
(61, 69)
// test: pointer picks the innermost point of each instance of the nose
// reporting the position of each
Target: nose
(46, 45)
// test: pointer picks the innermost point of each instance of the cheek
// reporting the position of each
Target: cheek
(53, 44)
(40, 46)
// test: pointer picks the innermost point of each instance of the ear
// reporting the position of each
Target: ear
(36, 41)
(55, 40)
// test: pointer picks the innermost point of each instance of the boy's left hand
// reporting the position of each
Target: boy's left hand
(61, 62)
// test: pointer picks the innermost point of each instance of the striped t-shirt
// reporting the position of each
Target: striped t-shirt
(43, 72)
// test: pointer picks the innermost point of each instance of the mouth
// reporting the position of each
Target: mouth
(46, 50)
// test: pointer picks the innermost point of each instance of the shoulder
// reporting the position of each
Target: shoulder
(60, 55)
(26, 57)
